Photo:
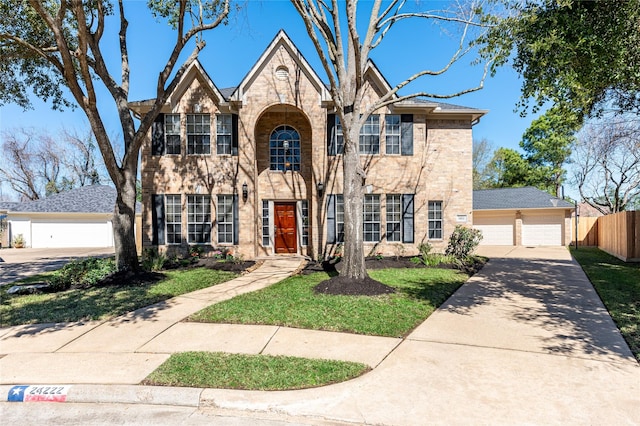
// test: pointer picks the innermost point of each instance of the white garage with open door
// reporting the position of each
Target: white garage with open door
(521, 216)
(496, 230)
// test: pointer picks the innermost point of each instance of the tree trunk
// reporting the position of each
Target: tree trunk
(353, 193)
(124, 219)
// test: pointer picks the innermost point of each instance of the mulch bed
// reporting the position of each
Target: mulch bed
(220, 265)
(346, 286)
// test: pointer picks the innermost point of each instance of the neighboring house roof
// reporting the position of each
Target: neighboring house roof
(527, 197)
(8, 205)
(86, 199)
(587, 210)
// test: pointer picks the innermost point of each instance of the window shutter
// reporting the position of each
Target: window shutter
(236, 221)
(406, 138)
(331, 219)
(331, 138)
(157, 213)
(157, 136)
(407, 218)
(234, 134)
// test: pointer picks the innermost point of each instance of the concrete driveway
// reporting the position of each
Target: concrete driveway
(21, 263)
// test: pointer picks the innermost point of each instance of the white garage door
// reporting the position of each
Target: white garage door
(71, 234)
(542, 230)
(496, 231)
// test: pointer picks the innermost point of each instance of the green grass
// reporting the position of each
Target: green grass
(102, 302)
(251, 372)
(618, 284)
(293, 303)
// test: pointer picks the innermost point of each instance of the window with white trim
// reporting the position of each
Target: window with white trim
(340, 218)
(224, 218)
(198, 134)
(266, 237)
(371, 218)
(394, 217)
(435, 220)
(284, 149)
(173, 219)
(392, 134)
(339, 136)
(370, 135)
(305, 222)
(223, 134)
(198, 219)
(172, 133)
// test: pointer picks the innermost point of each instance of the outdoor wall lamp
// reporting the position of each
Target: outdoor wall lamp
(320, 189)
(245, 191)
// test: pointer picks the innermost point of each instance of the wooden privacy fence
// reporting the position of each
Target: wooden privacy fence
(617, 234)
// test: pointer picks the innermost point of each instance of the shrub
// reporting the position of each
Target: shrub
(18, 241)
(82, 273)
(153, 261)
(463, 241)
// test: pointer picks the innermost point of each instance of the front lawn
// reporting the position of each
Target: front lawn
(254, 372)
(618, 284)
(102, 302)
(293, 303)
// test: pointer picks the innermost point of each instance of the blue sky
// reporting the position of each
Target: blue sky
(232, 50)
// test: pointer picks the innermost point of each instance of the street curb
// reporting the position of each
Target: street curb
(126, 394)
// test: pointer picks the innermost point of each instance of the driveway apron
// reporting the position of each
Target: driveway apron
(525, 341)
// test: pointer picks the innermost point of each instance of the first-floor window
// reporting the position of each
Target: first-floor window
(305, 222)
(371, 218)
(394, 217)
(199, 219)
(224, 218)
(173, 214)
(340, 218)
(266, 237)
(435, 220)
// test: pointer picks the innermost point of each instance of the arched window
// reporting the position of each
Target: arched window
(284, 148)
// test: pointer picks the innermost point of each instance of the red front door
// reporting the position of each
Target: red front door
(285, 228)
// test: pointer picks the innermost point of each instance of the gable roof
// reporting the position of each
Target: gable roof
(280, 40)
(526, 197)
(86, 199)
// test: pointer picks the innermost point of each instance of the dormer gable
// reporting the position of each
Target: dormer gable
(280, 42)
(196, 72)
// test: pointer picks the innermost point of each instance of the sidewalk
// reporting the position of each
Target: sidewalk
(128, 348)
(525, 341)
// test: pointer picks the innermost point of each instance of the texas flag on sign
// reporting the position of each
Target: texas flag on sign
(31, 393)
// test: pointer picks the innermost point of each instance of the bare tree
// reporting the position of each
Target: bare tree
(607, 163)
(482, 156)
(19, 168)
(61, 42)
(345, 57)
(38, 164)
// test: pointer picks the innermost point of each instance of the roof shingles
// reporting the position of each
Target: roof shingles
(86, 199)
(527, 197)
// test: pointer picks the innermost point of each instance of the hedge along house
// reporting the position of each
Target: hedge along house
(257, 168)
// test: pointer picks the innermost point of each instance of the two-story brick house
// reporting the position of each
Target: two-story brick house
(257, 167)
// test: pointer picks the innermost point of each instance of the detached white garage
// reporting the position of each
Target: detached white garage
(521, 216)
(81, 217)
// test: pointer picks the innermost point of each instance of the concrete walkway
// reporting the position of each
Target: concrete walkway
(525, 341)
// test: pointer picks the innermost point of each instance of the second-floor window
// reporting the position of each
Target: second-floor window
(284, 149)
(392, 134)
(198, 134)
(370, 135)
(223, 134)
(172, 133)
